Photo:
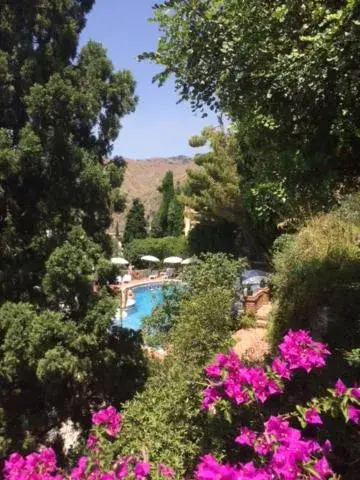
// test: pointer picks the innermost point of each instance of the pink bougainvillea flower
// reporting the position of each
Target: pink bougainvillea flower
(109, 418)
(78, 473)
(213, 371)
(91, 441)
(166, 471)
(246, 437)
(210, 469)
(141, 470)
(340, 388)
(211, 395)
(122, 467)
(355, 393)
(322, 468)
(281, 369)
(312, 416)
(353, 414)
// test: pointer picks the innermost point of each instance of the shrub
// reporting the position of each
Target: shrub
(164, 419)
(247, 320)
(289, 445)
(159, 247)
(317, 282)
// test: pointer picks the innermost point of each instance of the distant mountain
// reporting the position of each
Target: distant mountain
(142, 178)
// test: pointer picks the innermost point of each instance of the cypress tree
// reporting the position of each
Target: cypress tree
(135, 226)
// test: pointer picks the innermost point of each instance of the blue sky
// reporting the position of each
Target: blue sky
(159, 126)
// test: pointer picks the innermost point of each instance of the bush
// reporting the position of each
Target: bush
(317, 282)
(164, 419)
(247, 320)
(159, 247)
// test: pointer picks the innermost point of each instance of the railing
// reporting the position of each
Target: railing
(252, 303)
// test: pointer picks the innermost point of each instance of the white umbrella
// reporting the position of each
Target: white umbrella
(173, 260)
(254, 273)
(187, 261)
(150, 258)
(255, 280)
(119, 261)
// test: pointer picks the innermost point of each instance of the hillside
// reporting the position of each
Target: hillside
(142, 178)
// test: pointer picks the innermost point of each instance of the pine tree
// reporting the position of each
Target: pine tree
(60, 111)
(135, 226)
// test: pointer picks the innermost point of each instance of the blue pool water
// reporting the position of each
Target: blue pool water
(147, 297)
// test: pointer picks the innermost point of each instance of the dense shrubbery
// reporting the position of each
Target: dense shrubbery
(157, 326)
(278, 449)
(317, 281)
(165, 419)
(160, 247)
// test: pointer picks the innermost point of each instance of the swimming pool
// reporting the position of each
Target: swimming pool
(147, 297)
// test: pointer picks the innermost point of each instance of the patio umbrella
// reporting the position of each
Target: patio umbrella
(119, 261)
(254, 273)
(187, 261)
(173, 260)
(255, 280)
(150, 258)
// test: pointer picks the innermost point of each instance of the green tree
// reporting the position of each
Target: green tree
(60, 112)
(175, 218)
(135, 226)
(217, 193)
(167, 190)
(286, 74)
(56, 366)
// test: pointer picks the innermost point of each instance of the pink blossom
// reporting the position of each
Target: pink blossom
(340, 388)
(353, 414)
(355, 393)
(141, 470)
(211, 395)
(323, 469)
(122, 468)
(281, 369)
(213, 371)
(110, 418)
(166, 471)
(78, 473)
(210, 469)
(312, 416)
(91, 441)
(246, 437)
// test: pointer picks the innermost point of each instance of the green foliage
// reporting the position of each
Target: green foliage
(164, 420)
(53, 369)
(213, 237)
(169, 219)
(167, 191)
(60, 111)
(286, 75)
(213, 190)
(218, 194)
(156, 327)
(159, 247)
(316, 282)
(70, 272)
(247, 320)
(135, 226)
(175, 218)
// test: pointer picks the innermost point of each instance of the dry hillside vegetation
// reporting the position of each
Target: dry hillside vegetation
(142, 178)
